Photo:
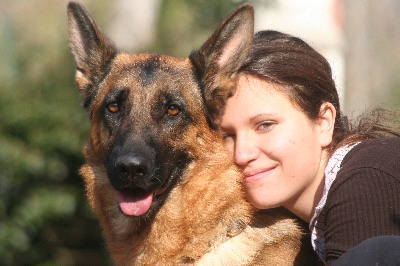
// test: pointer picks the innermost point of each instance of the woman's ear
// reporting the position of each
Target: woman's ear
(326, 123)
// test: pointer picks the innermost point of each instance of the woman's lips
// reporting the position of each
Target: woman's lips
(256, 175)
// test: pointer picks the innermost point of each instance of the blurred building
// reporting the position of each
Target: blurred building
(133, 23)
(372, 54)
(318, 22)
(360, 38)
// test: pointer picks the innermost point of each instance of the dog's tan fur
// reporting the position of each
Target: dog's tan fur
(204, 219)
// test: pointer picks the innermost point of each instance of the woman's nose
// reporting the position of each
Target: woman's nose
(245, 150)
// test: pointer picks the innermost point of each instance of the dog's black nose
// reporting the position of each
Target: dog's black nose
(132, 166)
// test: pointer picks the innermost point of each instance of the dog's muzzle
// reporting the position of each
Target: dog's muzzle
(132, 175)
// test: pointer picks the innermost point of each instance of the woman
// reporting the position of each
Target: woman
(286, 133)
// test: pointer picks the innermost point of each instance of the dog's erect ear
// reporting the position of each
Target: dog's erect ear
(91, 48)
(220, 57)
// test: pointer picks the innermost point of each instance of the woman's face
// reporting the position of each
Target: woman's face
(278, 148)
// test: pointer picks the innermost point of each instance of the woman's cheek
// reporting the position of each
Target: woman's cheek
(230, 145)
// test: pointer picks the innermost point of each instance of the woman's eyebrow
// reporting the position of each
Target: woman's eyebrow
(256, 117)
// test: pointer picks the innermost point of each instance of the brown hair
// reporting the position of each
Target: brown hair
(287, 60)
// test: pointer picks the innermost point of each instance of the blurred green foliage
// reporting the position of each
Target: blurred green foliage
(185, 24)
(44, 215)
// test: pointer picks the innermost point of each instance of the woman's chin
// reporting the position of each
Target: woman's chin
(261, 202)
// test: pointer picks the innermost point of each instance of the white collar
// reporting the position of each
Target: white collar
(331, 170)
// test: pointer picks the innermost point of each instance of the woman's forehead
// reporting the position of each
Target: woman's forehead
(257, 87)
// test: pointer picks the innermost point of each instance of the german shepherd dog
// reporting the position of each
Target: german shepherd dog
(157, 173)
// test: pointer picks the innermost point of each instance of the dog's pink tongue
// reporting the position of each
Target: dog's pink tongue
(134, 204)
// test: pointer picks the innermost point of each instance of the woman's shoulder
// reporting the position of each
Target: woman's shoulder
(380, 154)
(364, 197)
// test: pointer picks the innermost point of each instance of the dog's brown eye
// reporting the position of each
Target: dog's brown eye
(173, 110)
(113, 107)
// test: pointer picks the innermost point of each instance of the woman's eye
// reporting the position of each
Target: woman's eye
(173, 110)
(228, 137)
(267, 125)
(113, 107)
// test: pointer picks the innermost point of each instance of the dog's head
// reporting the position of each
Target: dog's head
(149, 111)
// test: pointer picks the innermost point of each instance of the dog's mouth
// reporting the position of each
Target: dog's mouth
(137, 201)
(139, 198)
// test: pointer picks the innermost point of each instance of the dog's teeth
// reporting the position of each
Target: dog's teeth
(160, 191)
